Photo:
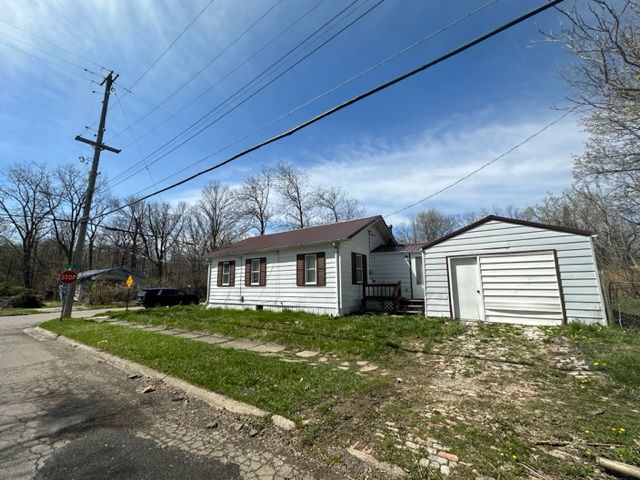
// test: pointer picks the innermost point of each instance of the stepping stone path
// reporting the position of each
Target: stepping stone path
(368, 368)
(307, 354)
(266, 349)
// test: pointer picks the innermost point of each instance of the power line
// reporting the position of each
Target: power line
(72, 72)
(350, 102)
(184, 30)
(135, 138)
(216, 57)
(203, 117)
(70, 52)
(235, 69)
(331, 90)
(223, 115)
(58, 57)
(483, 166)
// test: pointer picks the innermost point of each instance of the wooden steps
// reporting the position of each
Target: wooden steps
(410, 306)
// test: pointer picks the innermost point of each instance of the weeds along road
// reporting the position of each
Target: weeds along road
(65, 414)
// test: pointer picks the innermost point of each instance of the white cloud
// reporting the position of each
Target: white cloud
(386, 176)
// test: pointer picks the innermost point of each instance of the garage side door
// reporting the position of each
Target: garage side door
(521, 288)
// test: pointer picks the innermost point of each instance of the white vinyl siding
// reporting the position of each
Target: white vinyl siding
(577, 270)
(393, 267)
(280, 291)
(512, 292)
(360, 243)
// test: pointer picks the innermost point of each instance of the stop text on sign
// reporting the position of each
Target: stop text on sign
(68, 276)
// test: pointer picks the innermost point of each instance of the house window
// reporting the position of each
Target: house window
(359, 268)
(226, 273)
(310, 268)
(255, 271)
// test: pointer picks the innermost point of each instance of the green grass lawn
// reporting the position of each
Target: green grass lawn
(371, 337)
(268, 383)
(614, 351)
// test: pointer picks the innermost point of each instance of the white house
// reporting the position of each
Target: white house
(504, 270)
(319, 269)
(495, 270)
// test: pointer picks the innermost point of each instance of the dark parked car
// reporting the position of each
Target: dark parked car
(154, 297)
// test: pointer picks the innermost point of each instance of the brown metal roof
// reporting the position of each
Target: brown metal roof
(333, 232)
(515, 221)
(407, 247)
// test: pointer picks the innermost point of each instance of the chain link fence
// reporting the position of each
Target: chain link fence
(624, 303)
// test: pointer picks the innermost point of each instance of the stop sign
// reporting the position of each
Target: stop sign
(68, 276)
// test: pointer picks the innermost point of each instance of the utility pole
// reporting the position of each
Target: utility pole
(98, 146)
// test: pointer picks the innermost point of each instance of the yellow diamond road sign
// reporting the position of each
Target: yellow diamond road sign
(129, 281)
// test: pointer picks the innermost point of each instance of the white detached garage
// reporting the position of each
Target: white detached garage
(512, 271)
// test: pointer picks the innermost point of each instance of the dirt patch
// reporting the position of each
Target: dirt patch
(497, 401)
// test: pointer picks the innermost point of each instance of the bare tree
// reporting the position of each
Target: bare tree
(296, 196)
(66, 201)
(24, 201)
(605, 39)
(427, 226)
(336, 206)
(218, 210)
(253, 198)
(195, 248)
(125, 230)
(162, 228)
(102, 203)
(509, 211)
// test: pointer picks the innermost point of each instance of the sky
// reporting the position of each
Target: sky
(388, 151)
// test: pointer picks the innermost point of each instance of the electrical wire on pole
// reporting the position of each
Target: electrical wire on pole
(98, 147)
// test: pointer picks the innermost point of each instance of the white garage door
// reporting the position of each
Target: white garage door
(521, 288)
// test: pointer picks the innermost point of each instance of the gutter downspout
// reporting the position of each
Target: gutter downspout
(206, 304)
(424, 279)
(336, 245)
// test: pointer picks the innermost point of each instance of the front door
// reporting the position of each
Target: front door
(417, 277)
(466, 297)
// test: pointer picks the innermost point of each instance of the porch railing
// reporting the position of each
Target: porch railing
(381, 297)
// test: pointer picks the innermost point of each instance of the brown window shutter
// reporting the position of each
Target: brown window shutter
(300, 270)
(232, 274)
(247, 272)
(263, 271)
(365, 274)
(220, 273)
(354, 278)
(321, 269)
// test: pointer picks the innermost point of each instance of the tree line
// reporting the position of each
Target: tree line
(165, 243)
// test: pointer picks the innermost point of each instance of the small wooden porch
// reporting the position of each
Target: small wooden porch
(387, 298)
(381, 297)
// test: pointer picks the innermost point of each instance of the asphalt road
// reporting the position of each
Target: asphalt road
(64, 414)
